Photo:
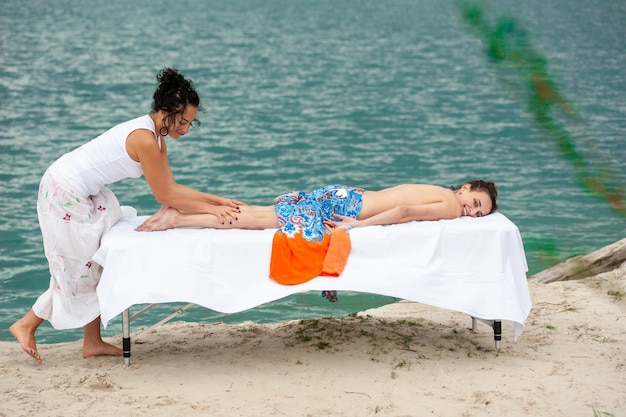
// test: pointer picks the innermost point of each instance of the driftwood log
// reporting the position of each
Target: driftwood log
(603, 260)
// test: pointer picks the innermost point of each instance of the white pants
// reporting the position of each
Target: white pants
(72, 226)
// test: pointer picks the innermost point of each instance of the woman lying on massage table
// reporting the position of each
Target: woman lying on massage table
(348, 206)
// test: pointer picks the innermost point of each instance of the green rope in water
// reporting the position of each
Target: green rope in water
(523, 72)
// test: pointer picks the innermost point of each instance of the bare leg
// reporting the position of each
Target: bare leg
(156, 218)
(250, 217)
(159, 213)
(24, 331)
(93, 345)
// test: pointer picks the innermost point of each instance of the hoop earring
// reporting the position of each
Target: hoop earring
(163, 131)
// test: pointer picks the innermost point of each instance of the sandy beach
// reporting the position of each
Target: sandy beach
(404, 359)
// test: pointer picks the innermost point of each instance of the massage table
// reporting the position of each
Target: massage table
(475, 266)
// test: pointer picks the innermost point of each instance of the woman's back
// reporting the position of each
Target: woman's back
(375, 202)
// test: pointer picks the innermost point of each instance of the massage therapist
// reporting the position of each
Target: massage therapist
(75, 208)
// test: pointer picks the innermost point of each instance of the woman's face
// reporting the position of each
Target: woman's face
(183, 122)
(474, 203)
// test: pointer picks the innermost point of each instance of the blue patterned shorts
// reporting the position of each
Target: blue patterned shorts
(301, 212)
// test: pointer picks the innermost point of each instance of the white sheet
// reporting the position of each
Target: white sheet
(475, 266)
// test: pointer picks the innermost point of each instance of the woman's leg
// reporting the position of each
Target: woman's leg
(93, 345)
(250, 217)
(24, 331)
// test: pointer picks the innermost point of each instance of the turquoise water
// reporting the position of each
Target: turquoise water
(298, 94)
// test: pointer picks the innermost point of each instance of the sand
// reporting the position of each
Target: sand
(404, 359)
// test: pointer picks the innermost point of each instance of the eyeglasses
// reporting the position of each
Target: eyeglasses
(183, 123)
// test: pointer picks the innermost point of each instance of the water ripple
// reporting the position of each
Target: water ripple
(300, 94)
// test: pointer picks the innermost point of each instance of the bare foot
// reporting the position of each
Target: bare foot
(100, 348)
(162, 220)
(93, 345)
(144, 227)
(25, 335)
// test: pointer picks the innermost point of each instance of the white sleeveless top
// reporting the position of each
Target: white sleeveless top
(102, 161)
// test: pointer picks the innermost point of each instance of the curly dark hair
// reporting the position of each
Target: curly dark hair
(173, 94)
(489, 187)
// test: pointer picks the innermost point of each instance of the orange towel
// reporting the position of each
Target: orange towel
(297, 260)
